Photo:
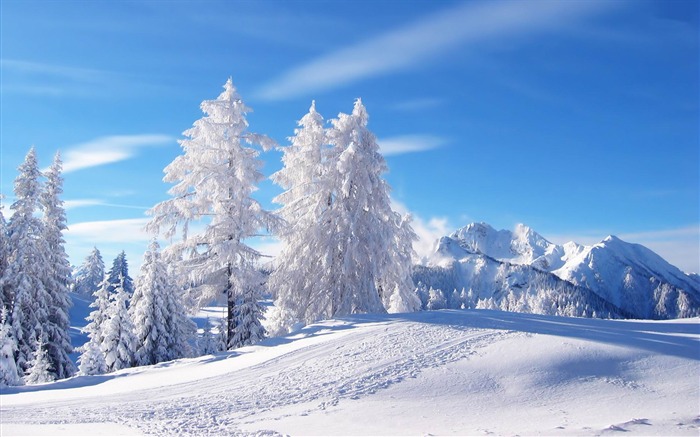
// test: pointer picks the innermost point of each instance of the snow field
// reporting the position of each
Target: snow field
(441, 372)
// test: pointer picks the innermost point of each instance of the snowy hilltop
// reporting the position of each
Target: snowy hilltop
(522, 271)
(471, 372)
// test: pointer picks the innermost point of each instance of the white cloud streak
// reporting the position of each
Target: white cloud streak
(82, 203)
(408, 144)
(410, 46)
(110, 231)
(107, 150)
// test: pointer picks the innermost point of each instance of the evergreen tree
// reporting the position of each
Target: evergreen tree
(8, 369)
(119, 275)
(249, 312)
(214, 180)
(298, 278)
(345, 250)
(98, 317)
(90, 274)
(162, 327)
(57, 275)
(91, 361)
(119, 343)
(40, 370)
(373, 251)
(26, 273)
(209, 344)
(148, 310)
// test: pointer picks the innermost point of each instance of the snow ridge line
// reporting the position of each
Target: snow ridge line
(320, 376)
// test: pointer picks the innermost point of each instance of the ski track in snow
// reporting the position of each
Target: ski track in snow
(370, 358)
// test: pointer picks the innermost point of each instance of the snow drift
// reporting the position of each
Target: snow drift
(437, 372)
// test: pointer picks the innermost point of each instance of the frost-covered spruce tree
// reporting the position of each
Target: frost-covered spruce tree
(214, 180)
(98, 318)
(90, 274)
(57, 279)
(297, 280)
(119, 275)
(209, 344)
(148, 310)
(249, 312)
(26, 273)
(91, 360)
(119, 342)
(40, 370)
(371, 265)
(162, 327)
(8, 368)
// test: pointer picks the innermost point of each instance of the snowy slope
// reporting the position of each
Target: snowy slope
(627, 276)
(440, 372)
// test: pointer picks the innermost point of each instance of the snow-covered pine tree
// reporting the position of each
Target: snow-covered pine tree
(148, 310)
(298, 279)
(26, 273)
(91, 360)
(372, 261)
(90, 274)
(119, 342)
(162, 327)
(57, 274)
(214, 180)
(40, 370)
(249, 313)
(209, 344)
(8, 368)
(119, 275)
(97, 318)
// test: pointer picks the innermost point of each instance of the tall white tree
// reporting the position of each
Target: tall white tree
(95, 330)
(214, 179)
(90, 274)
(26, 274)
(119, 342)
(119, 274)
(300, 280)
(372, 261)
(57, 278)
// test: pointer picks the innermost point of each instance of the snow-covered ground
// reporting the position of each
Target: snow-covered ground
(473, 372)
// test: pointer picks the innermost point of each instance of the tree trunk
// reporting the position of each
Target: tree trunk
(231, 301)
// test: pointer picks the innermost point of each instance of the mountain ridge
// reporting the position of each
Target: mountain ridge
(630, 277)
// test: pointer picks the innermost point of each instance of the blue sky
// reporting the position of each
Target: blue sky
(577, 118)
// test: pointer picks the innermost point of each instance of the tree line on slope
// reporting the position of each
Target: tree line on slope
(346, 251)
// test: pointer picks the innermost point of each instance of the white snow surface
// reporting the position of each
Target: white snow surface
(451, 372)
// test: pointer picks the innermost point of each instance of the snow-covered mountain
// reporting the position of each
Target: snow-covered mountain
(612, 277)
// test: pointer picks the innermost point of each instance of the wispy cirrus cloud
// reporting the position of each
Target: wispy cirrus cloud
(409, 46)
(110, 231)
(83, 203)
(38, 78)
(409, 144)
(106, 150)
